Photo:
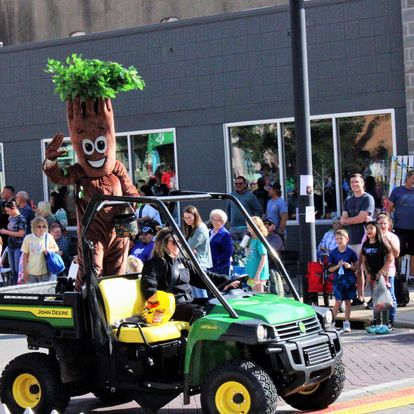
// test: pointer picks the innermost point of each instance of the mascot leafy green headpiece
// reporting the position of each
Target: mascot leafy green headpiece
(91, 78)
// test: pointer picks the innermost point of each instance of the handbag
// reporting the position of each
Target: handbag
(54, 261)
(381, 296)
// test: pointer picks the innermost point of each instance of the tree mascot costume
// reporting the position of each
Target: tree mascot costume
(91, 126)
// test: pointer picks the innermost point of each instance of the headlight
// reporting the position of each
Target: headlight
(265, 333)
(261, 332)
(328, 318)
(325, 316)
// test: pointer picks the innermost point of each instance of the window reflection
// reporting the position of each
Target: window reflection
(122, 150)
(365, 148)
(254, 152)
(153, 156)
(67, 192)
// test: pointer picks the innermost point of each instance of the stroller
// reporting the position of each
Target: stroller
(319, 280)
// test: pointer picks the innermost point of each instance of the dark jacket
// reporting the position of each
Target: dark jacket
(221, 246)
(157, 274)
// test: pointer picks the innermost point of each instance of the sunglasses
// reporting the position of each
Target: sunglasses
(238, 184)
(41, 227)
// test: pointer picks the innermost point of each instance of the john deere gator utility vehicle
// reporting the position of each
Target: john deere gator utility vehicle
(243, 351)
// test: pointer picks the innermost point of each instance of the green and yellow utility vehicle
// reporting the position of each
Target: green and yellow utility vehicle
(240, 354)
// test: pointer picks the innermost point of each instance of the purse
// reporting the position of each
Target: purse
(54, 261)
(381, 296)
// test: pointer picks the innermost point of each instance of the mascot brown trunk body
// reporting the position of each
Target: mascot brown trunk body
(92, 133)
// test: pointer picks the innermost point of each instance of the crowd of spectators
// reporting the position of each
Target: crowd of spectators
(23, 230)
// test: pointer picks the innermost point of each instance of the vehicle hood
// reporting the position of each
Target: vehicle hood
(269, 308)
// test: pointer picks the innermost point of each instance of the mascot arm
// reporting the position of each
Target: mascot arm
(67, 176)
(128, 189)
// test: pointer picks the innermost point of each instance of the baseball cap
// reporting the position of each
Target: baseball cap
(147, 230)
(268, 220)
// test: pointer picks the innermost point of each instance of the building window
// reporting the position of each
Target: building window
(153, 154)
(254, 152)
(366, 147)
(67, 192)
(342, 144)
(143, 154)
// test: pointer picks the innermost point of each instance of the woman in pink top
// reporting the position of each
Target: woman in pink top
(385, 223)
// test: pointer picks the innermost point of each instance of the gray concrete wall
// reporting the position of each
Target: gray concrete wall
(202, 73)
(407, 14)
(24, 21)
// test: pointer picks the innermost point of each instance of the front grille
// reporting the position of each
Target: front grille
(317, 354)
(292, 330)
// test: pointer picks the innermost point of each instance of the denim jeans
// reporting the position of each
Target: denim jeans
(393, 310)
(14, 257)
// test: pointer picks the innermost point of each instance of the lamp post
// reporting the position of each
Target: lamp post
(306, 209)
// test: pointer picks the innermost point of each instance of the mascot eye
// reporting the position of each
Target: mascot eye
(100, 144)
(88, 147)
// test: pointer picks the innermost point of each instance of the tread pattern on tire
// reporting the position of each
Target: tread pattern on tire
(45, 366)
(327, 393)
(264, 381)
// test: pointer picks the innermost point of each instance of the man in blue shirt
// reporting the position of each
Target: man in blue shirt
(250, 203)
(277, 209)
(402, 202)
(26, 211)
(143, 247)
(358, 209)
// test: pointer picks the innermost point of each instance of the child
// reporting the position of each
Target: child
(257, 266)
(33, 249)
(343, 263)
(376, 257)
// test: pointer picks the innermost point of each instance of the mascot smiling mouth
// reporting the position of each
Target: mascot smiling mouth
(97, 163)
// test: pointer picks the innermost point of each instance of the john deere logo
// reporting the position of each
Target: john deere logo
(302, 327)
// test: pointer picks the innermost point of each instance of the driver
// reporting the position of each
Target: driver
(169, 271)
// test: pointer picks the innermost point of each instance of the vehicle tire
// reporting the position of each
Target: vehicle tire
(117, 397)
(321, 395)
(33, 380)
(238, 387)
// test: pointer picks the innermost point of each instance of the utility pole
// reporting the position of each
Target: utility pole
(306, 209)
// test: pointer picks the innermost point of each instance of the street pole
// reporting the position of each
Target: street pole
(306, 209)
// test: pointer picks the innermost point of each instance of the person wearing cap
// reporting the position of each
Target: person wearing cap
(274, 239)
(249, 202)
(277, 209)
(401, 201)
(328, 242)
(143, 247)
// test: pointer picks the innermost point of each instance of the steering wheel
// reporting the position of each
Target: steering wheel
(227, 282)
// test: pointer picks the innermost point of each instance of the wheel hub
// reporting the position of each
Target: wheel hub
(232, 398)
(26, 390)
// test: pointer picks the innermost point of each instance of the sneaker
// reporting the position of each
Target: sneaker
(357, 302)
(370, 304)
(382, 329)
(391, 325)
(347, 326)
(371, 329)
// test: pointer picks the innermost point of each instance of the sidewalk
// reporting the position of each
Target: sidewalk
(361, 316)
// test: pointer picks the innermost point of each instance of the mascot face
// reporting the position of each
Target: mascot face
(92, 132)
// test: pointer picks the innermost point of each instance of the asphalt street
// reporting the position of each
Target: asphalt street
(379, 377)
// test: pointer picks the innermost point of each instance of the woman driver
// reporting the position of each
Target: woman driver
(169, 271)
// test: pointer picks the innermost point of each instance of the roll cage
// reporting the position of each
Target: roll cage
(100, 201)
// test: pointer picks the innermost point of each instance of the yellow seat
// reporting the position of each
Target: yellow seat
(158, 333)
(122, 298)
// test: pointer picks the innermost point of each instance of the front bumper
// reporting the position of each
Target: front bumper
(306, 360)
